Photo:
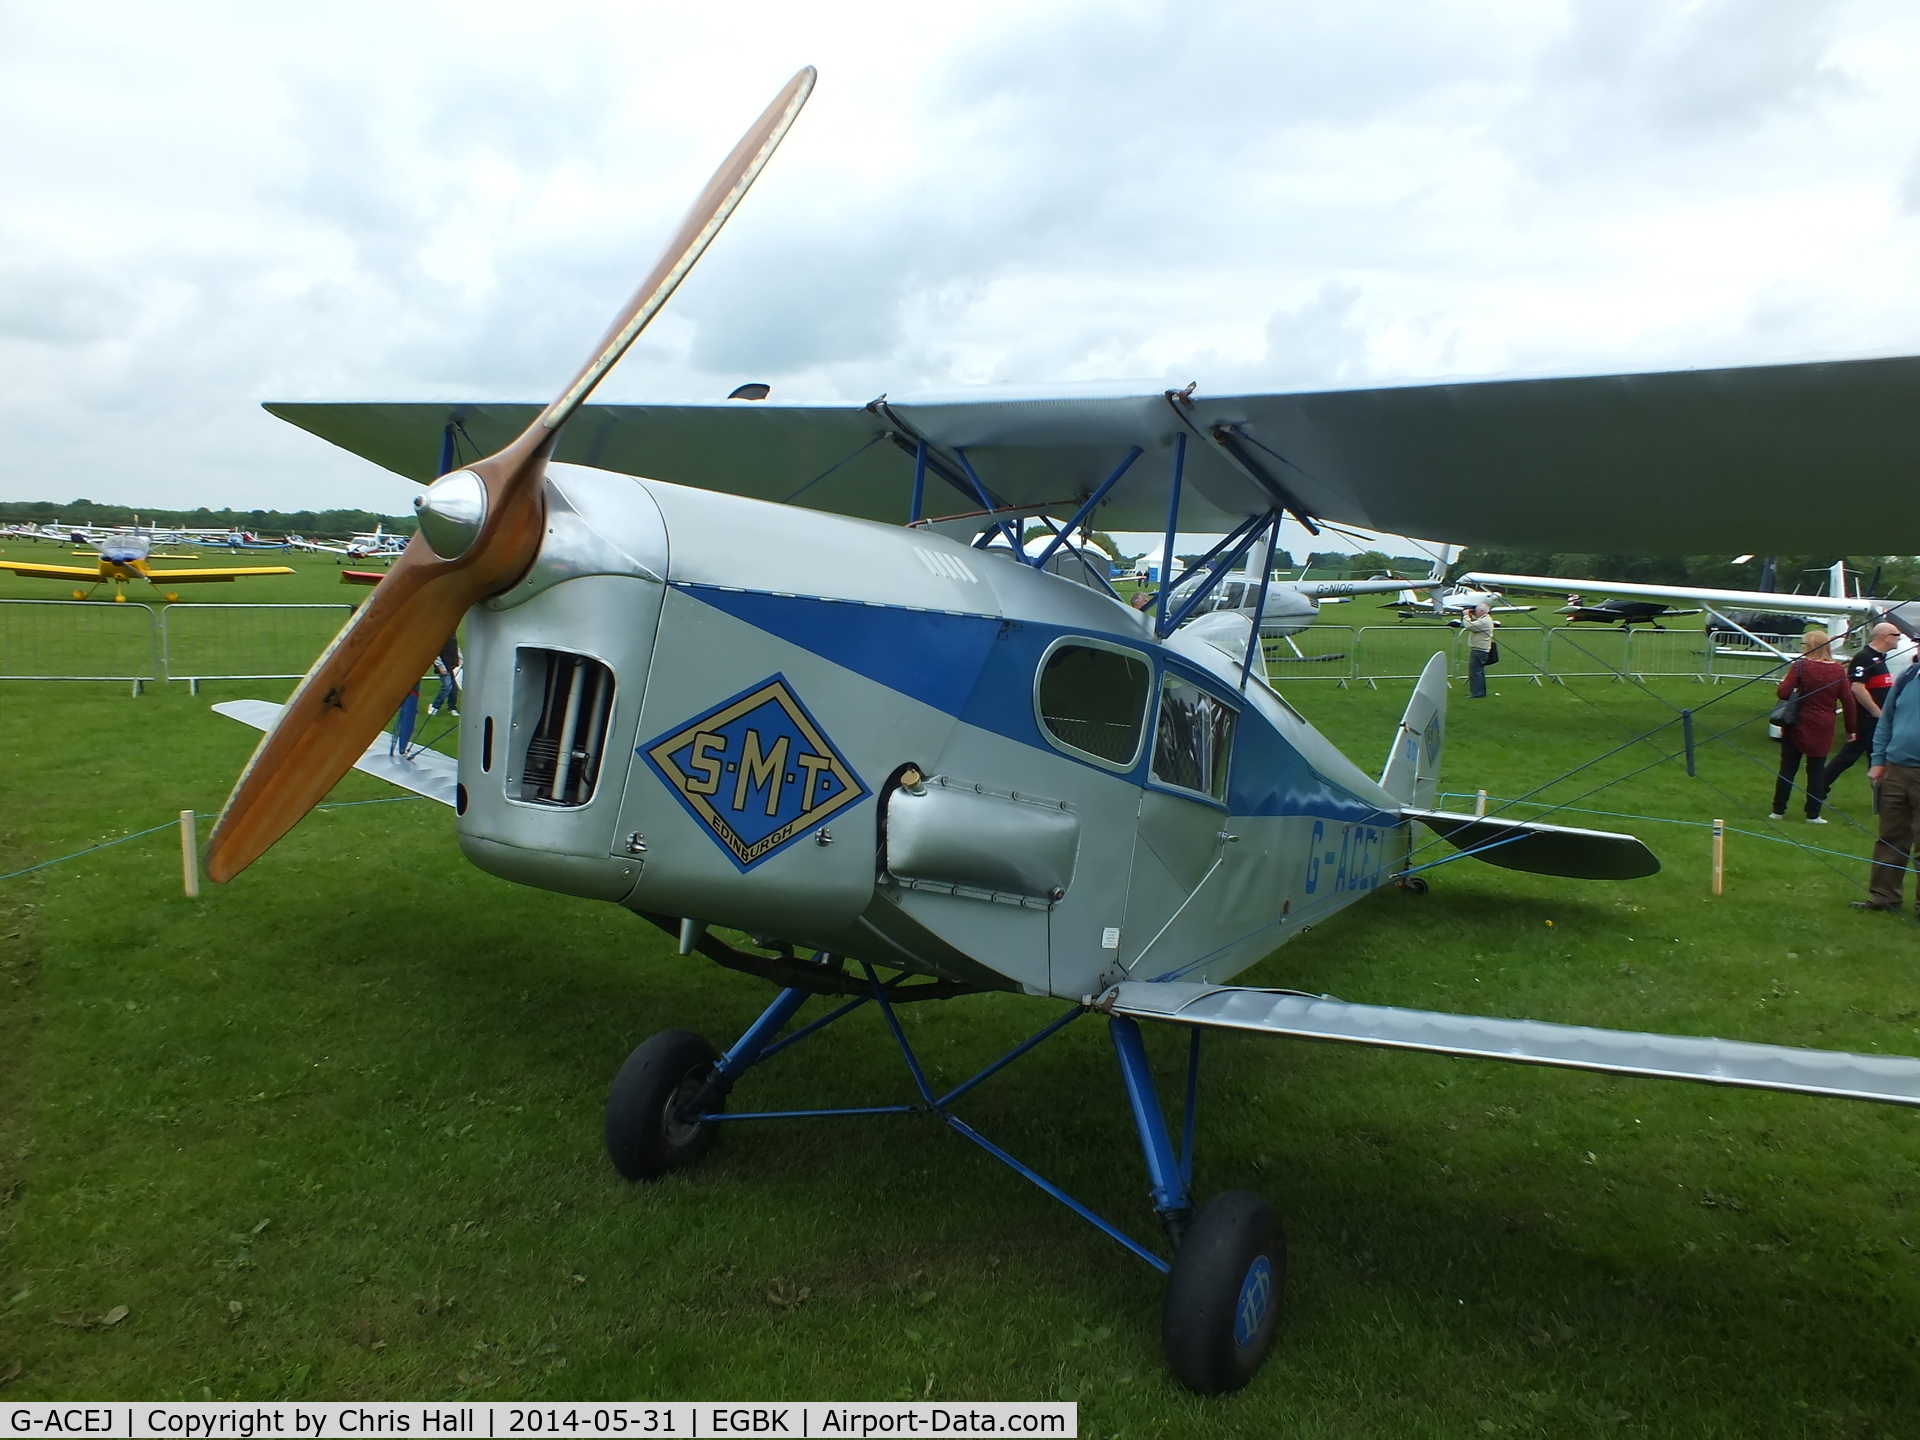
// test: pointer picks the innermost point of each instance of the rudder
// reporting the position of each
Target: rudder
(1412, 773)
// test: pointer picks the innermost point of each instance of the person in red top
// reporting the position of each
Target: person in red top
(1822, 683)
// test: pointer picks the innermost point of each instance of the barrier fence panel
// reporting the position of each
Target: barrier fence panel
(77, 640)
(1401, 652)
(1524, 649)
(1736, 657)
(246, 642)
(1320, 652)
(1668, 652)
(1587, 652)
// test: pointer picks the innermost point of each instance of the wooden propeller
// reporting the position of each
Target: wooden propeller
(480, 528)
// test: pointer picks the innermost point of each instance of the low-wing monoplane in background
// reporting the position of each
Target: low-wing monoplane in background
(911, 770)
(375, 544)
(1450, 602)
(1622, 612)
(125, 556)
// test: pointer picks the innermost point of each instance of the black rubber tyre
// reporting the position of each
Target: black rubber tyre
(1224, 1294)
(1415, 884)
(644, 1140)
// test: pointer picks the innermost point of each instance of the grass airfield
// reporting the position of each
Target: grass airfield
(333, 1131)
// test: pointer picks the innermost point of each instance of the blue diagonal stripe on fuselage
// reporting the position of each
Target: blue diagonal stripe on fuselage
(980, 669)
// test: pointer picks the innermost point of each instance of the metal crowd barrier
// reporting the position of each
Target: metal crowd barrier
(129, 641)
(1537, 653)
(102, 640)
(245, 642)
(79, 640)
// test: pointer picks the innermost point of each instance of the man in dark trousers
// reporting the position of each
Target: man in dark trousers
(1867, 673)
(1896, 770)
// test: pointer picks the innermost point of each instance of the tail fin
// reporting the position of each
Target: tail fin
(1412, 775)
(1837, 580)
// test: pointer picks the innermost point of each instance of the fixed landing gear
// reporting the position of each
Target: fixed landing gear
(1413, 884)
(1224, 1293)
(654, 1108)
(1228, 1275)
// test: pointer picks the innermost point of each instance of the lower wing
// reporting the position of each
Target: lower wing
(425, 772)
(1892, 1079)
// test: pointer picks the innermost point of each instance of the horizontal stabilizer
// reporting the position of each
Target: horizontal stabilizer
(1892, 1079)
(1542, 849)
(425, 772)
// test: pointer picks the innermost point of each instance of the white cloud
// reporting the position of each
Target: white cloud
(211, 205)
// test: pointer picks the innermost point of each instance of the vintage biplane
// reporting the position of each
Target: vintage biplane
(125, 555)
(737, 670)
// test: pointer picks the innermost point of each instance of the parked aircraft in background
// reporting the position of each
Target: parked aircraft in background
(1290, 606)
(1625, 613)
(376, 544)
(1449, 602)
(125, 557)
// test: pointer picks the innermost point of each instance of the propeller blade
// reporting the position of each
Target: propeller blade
(480, 528)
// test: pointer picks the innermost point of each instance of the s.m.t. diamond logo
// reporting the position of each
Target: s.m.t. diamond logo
(756, 771)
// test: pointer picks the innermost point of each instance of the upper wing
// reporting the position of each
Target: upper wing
(51, 572)
(1682, 461)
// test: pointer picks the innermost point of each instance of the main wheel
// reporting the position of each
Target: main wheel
(1224, 1293)
(645, 1137)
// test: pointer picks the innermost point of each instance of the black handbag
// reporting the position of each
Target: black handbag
(1493, 653)
(1787, 712)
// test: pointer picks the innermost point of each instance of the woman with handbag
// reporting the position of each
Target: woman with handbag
(1808, 692)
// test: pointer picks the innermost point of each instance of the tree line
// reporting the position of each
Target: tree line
(328, 524)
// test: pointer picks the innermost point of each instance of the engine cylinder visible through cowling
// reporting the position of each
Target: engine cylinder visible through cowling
(566, 700)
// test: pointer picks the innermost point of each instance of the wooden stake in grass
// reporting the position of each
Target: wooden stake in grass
(1719, 855)
(1480, 803)
(189, 856)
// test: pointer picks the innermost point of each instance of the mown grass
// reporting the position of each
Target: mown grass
(333, 1130)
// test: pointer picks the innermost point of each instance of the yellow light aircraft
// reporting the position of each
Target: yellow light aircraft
(123, 558)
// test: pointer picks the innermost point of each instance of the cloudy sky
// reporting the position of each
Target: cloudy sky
(212, 205)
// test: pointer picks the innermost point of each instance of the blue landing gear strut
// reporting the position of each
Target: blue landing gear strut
(1229, 1259)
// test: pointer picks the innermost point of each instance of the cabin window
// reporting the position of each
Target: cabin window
(1092, 700)
(1193, 743)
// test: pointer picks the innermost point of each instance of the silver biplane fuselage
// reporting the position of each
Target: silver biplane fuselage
(690, 687)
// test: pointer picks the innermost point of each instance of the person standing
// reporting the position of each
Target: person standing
(1479, 628)
(1895, 769)
(1867, 674)
(446, 669)
(1819, 680)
